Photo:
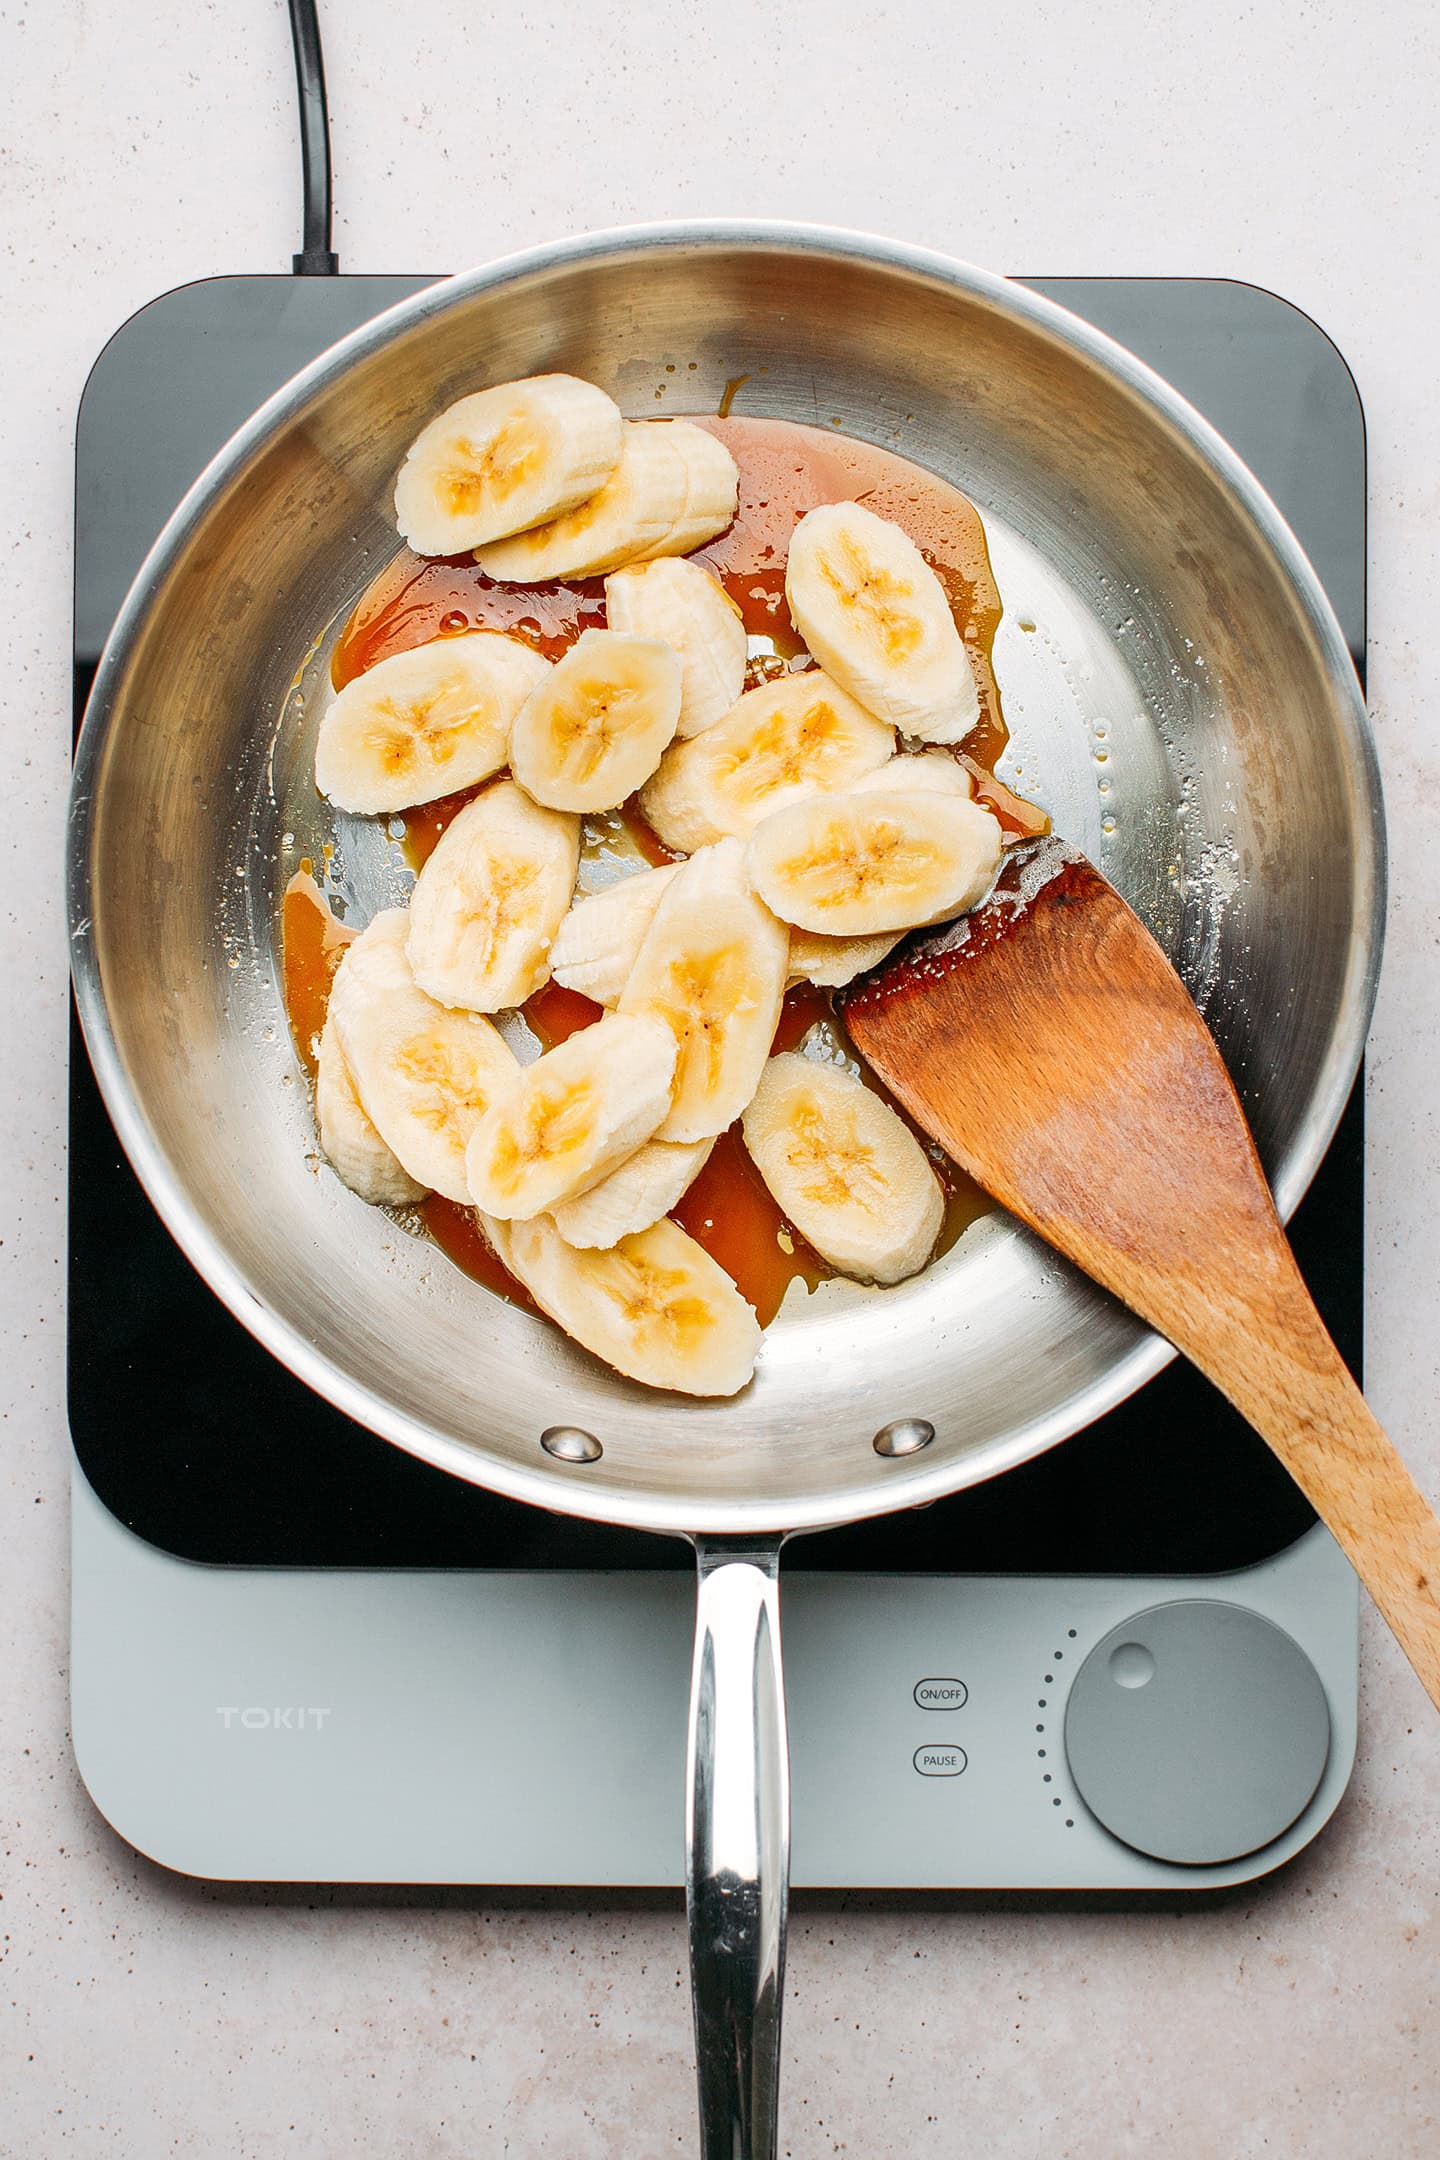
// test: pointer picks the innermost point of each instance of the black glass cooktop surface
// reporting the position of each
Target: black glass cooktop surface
(197, 1439)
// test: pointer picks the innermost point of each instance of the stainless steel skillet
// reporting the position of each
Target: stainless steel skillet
(1184, 703)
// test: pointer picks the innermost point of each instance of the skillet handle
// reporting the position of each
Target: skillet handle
(737, 1853)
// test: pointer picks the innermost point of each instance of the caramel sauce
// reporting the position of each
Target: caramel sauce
(729, 1208)
(312, 943)
(642, 836)
(456, 1230)
(785, 470)
(425, 825)
(419, 598)
(803, 1007)
(554, 1013)
(729, 1211)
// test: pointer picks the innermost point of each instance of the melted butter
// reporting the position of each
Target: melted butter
(785, 470)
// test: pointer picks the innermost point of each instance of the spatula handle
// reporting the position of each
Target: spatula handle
(1285, 1375)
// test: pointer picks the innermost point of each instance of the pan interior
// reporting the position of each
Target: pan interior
(1174, 698)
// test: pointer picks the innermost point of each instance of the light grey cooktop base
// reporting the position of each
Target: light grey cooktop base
(303, 1725)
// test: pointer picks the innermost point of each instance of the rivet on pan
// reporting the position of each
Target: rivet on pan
(569, 1444)
(904, 1436)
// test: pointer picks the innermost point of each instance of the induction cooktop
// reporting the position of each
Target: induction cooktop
(301, 1654)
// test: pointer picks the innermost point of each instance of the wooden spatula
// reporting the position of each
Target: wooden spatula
(1048, 1044)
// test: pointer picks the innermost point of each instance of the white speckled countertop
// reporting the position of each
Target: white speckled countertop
(142, 2014)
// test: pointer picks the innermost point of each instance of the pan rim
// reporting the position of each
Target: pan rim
(553, 1485)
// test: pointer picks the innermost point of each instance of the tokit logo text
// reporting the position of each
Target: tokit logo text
(282, 1717)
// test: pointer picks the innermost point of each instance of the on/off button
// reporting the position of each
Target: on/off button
(941, 1694)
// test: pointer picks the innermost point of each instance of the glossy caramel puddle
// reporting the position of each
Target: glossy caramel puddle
(785, 470)
(312, 945)
(457, 1232)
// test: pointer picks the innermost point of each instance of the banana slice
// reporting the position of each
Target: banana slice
(874, 613)
(593, 730)
(596, 945)
(831, 962)
(655, 1305)
(426, 722)
(487, 904)
(636, 1193)
(576, 1112)
(780, 743)
(712, 493)
(856, 865)
(712, 968)
(683, 604)
(424, 1075)
(350, 1141)
(505, 459)
(926, 772)
(849, 1174)
(633, 514)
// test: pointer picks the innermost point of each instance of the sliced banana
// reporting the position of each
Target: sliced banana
(683, 604)
(831, 962)
(636, 1193)
(424, 1075)
(849, 1174)
(505, 459)
(633, 514)
(596, 945)
(712, 492)
(873, 612)
(350, 1141)
(780, 743)
(857, 865)
(712, 968)
(426, 722)
(924, 772)
(655, 1306)
(572, 1115)
(489, 901)
(593, 730)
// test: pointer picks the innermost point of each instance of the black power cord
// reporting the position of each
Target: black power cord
(317, 258)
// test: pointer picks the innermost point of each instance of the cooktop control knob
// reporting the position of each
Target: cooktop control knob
(1197, 1732)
